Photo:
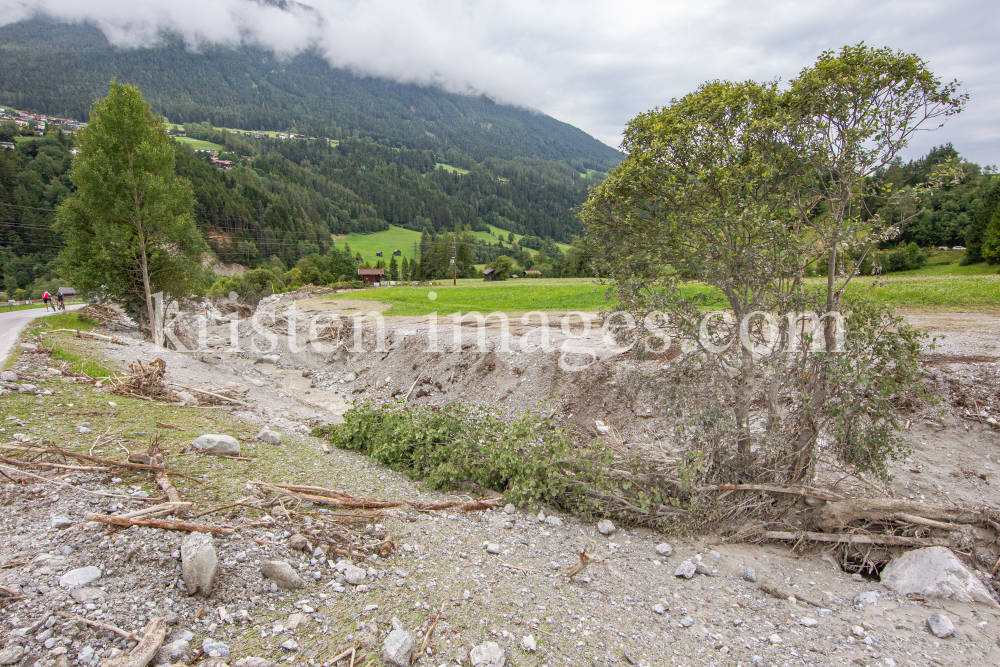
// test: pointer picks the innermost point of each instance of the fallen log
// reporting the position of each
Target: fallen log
(101, 626)
(167, 486)
(318, 494)
(146, 649)
(208, 393)
(784, 595)
(797, 491)
(51, 466)
(164, 524)
(854, 538)
(81, 457)
(163, 508)
(89, 334)
(834, 517)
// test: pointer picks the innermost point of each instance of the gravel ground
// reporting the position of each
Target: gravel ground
(499, 575)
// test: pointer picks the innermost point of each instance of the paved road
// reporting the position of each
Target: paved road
(11, 324)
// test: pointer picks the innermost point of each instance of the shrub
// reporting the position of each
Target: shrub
(902, 258)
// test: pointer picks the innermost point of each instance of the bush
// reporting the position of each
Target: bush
(902, 258)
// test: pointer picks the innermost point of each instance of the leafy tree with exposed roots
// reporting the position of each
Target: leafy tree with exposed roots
(129, 228)
(744, 187)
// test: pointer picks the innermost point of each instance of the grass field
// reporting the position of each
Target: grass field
(387, 241)
(562, 294)
(198, 144)
(448, 167)
(949, 263)
(503, 234)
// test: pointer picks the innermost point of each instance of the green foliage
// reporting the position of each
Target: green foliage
(502, 266)
(528, 460)
(902, 258)
(128, 227)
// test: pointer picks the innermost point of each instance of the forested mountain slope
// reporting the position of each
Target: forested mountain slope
(60, 69)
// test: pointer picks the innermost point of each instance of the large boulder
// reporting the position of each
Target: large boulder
(488, 655)
(282, 574)
(398, 648)
(935, 572)
(214, 443)
(199, 563)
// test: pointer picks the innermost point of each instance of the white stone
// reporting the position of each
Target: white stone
(749, 574)
(664, 549)
(554, 521)
(488, 655)
(269, 437)
(398, 647)
(218, 444)
(775, 639)
(686, 569)
(199, 563)
(529, 644)
(79, 577)
(493, 548)
(935, 572)
(808, 622)
(601, 427)
(605, 527)
(867, 597)
(282, 574)
(940, 626)
(354, 575)
(60, 522)
(8, 376)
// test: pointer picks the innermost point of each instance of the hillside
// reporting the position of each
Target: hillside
(60, 69)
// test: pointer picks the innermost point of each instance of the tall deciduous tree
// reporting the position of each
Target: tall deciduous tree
(129, 227)
(743, 186)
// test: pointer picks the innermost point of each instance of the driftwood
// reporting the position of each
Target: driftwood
(146, 649)
(167, 486)
(59, 482)
(427, 636)
(784, 595)
(834, 517)
(798, 491)
(81, 457)
(164, 508)
(854, 538)
(89, 334)
(163, 524)
(318, 494)
(97, 624)
(213, 395)
(52, 466)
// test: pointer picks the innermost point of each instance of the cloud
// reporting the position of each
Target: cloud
(591, 63)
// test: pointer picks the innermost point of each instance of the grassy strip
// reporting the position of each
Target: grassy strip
(948, 292)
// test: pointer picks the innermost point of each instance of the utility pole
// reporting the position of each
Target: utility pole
(454, 265)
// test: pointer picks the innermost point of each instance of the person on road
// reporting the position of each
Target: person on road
(47, 298)
(59, 300)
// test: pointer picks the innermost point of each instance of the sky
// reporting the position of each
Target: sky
(591, 63)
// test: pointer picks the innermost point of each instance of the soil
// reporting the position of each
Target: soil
(603, 616)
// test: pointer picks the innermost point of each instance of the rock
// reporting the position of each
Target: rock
(79, 577)
(350, 377)
(488, 655)
(509, 509)
(686, 569)
(605, 527)
(398, 647)
(217, 444)
(354, 575)
(601, 427)
(175, 651)
(282, 574)
(86, 594)
(687, 622)
(269, 437)
(775, 639)
(298, 542)
(808, 622)
(84, 430)
(659, 609)
(701, 568)
(254, 662)
(87, 655)
(61, 522)
(529, 644)
(493, 548)
(935, 572)
(664, 549)
(268, 359)
(214, 649)
(940, 626)
(199, 563)
(715, 555)
(868, 597)
(11, 655)
(553, 521)
(187, 398)
(8, 376)
(858, 631)
(290, 645)
(749, 574)
(29, 347)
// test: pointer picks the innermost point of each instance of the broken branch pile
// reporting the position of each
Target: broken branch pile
(323, 496)
(144, 381)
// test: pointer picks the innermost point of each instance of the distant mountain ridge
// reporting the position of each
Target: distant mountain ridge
(61, 68)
